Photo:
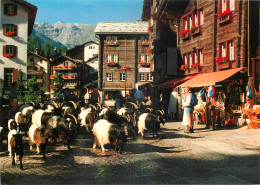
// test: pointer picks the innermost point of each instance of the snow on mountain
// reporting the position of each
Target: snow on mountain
(68, 34)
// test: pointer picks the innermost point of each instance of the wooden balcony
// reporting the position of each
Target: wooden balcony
(122, 85)
(63, 68)
(34, 72)
(225, 19)
(69, 77)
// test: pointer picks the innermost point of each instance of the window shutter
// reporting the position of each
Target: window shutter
(196, 19)
(232, 5)
(228, 4)
(227, 48)
(220, 6)
(224, 5)
(4, 50)
(202, 16)
(15, 9)
(4, 30)
(196, 57)
(15, 51)
(6, 9)
(201, 58)
(231, 51)
(15, 30)
(220, 50)
(15, 75)
(186, 60)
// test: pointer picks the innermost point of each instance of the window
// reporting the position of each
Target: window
(190, 22)
(227, 49)
(10, 9)
(201, 16)
(144, 38)
(8, 77)
(109, 77)
(190, 59)
(149, 77)
(9, 51)
(10, 30)
(122, 76)
(145, 77)
(110, 58)
(226, 5)
(111, 39)
(200, 57)
(144, 58)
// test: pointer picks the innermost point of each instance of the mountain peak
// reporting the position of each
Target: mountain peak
(68, 34)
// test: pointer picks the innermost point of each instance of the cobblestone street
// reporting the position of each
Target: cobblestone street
(229, 156)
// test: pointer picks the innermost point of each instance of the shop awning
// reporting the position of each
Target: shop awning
(208, 79)
(176, 81)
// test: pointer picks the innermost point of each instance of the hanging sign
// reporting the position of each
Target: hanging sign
(143, 70)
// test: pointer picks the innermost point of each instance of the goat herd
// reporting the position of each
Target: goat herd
(61, 122)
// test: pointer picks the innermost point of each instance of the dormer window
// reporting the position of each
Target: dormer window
(10, 9)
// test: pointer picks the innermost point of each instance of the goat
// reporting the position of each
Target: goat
(106, 133)
(38, 136)
(150, 122)
(15, 146)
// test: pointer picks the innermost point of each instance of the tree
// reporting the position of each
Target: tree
(34, 43)
(47, 49)
(58, 84)
(21, 90)
(33, 89)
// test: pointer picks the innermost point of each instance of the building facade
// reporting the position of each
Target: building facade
(39, 66)
(123, 59)
(208, 36)
(16, 24)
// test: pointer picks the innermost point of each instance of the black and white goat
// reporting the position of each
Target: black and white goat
(151, 122)
(15, 146)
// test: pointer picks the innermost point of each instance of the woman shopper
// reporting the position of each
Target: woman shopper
(172, 108)
(188, 110)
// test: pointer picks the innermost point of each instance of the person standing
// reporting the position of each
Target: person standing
(13, 100)
(118, 97)
(188, 110)
(139, 96)
(172, 108)
(87, 97)
(94, 97)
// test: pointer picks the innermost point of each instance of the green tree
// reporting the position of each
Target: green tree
(58, 84)
(33, 89)
(34, 43)
(21, 90)
(48, 50)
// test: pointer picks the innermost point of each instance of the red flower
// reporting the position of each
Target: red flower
(197, 64)
(10, 34)
(181, 32)
(51, 86)
(148, 29)
(183, 68)
(192, 65)
(219, 60)
(128, 68)
(9, 55)
(149, 50)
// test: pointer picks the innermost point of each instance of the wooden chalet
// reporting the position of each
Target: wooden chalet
(202, 36)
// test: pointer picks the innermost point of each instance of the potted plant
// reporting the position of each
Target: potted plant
(224, 17)
(127, 68)
(10, 34)
(195, 68)
(223, 62)
(9, 55)
(184, 68)
(184, 34)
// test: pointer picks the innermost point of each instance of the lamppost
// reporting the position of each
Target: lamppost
(125, 63)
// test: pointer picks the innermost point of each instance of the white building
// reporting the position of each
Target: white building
(16, 23)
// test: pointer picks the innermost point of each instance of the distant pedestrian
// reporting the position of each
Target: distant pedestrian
(172, 108)
(118, 98)
(95, 97)
(139, 96)
(87, 97)
(13, 100)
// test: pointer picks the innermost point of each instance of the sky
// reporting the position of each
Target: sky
(87, 11)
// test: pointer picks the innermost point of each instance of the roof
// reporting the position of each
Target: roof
(208, 79)
(66, 57)
(31, 53)
(32, 10)
(95, 56)
(176, 81)
(121, 28)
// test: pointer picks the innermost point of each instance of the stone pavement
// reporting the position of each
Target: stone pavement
(226, 156)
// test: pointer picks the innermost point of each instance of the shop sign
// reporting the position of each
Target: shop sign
(143, 70)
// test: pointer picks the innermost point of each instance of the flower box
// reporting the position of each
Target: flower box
(111, 43)
(195, 70)
(9, 55)
(225, 17)
(145, 43)
(111, 63)
(196, 31)
(144, 63)
(10, 34)
(224, 65)
(185, 34)
(11, 13)
(126, 68)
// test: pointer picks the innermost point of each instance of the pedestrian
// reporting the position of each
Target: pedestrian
(118, 98)
(13, 100)
(87, 97)
(139, 96)
(172, 108)
(95, 97)
(188, 106)
(61, 97)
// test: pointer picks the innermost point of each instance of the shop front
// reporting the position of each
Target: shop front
(222, 95)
